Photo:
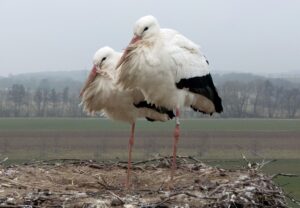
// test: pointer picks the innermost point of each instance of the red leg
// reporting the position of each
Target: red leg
(176, 138)
(131, 142)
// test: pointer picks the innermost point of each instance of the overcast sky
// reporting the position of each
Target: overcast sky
(242, 36)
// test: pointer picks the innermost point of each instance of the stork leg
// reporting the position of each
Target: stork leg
(175, 142)
(130, 144)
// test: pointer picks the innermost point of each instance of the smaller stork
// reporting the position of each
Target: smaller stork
(101, 94)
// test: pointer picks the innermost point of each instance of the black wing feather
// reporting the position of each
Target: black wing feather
(204, 86)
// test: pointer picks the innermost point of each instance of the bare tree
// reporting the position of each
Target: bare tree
(38, 98)
(235, 99)
(292, 102)
(54, 100)
(16, 95)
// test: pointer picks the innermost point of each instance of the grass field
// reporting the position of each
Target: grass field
(224, 140)
(94, 124)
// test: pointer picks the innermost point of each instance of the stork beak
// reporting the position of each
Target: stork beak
(89, 80)
(135, 39)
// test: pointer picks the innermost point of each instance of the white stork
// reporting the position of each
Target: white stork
(170, 70)
(100, 93)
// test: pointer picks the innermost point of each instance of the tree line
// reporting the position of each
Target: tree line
(254, 99)
(18, 101)
(260, 98)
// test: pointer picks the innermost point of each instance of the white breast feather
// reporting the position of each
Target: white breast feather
(97, 94)
(103, 95)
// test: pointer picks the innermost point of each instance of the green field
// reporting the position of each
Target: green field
(221, 140)
(88, 124)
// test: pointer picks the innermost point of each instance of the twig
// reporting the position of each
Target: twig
(284, 174)
(15, 206)
(263, 163)
(147, 161)
(216, 189)
(115, 195)
(185, 193)
(160, 187)
(163, 158)
(105, 184)
(14, 183)
(2, 161)
(167, 199)
(293, 199)
(192, 158)
(249, 164)
(96, 166)
(190, 194)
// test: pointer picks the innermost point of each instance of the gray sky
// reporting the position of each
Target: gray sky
(260, 36)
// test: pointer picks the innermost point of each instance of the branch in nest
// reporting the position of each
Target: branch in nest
(14, 183)
(295, 201)
(2, 161)
(167, 157)
(96, 166)
(284, 174)
(185, 193)
(115, 195)
(263, 163)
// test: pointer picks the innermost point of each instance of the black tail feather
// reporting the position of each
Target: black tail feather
(162, 110)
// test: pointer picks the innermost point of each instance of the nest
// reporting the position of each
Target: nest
(78, 183)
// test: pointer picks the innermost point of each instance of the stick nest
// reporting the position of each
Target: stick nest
(91, 184)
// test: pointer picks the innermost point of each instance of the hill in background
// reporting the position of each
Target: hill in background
(57, 80)
(74, 79)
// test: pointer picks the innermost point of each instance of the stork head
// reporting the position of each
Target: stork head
(145, 28)
(105, 59)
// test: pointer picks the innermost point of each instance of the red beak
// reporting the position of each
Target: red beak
(89, 80)
(133, 41)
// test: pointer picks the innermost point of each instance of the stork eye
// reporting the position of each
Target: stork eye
(103, 59)
(146, 28)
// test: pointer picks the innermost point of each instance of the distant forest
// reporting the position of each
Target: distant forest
(56, 94)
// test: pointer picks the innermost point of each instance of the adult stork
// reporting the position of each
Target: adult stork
(170, 70)
(100, 93)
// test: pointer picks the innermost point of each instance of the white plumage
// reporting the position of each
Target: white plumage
(100, 93)
(103, 95)
(170, 70)
(158, 59)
